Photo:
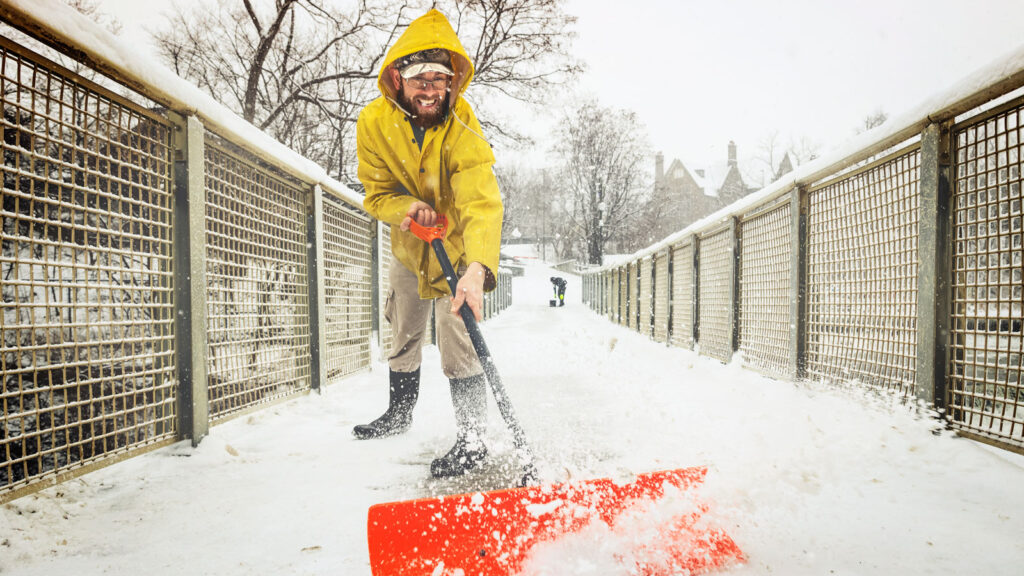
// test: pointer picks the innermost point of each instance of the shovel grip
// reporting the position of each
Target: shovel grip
(430, 233)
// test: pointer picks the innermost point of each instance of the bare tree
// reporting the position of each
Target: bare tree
(302, 69)
(520, 50)
(772, 150)
(530, 202)
(515, 183)
(803, 150)
(605, 177)
(298, 69)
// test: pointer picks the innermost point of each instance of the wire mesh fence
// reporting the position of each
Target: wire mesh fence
(88, 315)
(645, 293)
(662, 280)
(849, 313)
(765, 288)
(257, 285)
(385, 335)
(348, 265)
(682, 295)
(862, 267)
(714, 301)
(633, 302)
(986, 394)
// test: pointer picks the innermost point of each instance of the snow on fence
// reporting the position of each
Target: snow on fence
(895, 262)
(164, 267)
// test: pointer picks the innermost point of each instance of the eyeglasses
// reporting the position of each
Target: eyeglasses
(437, 83)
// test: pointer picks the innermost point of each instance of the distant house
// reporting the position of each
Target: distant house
(683, 195)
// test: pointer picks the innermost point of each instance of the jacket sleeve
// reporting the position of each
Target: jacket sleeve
(386, 199)
(476, 195)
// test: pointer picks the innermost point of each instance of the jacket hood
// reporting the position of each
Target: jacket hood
(432, 30)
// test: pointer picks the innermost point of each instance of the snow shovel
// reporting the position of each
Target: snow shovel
(497, 533)
(435, 237)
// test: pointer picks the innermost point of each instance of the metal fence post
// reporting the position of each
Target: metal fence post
(317, 292)
(190, 275)
(375, 283)
(798, 284)
(933, 277)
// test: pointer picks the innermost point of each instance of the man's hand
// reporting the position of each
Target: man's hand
(470, 290)
(422, 213)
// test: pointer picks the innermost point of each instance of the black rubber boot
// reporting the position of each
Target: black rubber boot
(469, 396)
(405, 390)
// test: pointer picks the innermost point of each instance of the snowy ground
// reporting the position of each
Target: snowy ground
(809, 480)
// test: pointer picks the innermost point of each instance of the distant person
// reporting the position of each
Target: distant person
(421, 153)
(559, 286)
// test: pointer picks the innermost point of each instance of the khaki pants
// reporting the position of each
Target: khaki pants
(408, 316)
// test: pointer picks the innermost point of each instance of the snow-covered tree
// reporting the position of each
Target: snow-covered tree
(603, 177)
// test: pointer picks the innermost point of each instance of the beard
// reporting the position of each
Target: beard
(424, 118)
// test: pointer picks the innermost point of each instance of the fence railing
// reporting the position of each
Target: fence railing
(895, 263)
(164, 267)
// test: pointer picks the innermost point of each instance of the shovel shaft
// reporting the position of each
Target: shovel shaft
(490, 370)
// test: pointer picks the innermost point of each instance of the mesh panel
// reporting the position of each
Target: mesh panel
(661, 297)
(646, 289)
(348, 271)
(765, 281)
(589, 292)
(257, 294)
(593, 295)
(612, 296)
(384, 256)
(86, 266)
(624, 295)
(862, 276)
(682, 295)
(715, 307)
(987, 352)
(634, 295)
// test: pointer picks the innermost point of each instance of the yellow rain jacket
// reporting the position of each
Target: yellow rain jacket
(453, 172)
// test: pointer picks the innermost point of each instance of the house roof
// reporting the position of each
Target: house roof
(710, 182)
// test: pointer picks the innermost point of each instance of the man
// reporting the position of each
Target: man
(421, 153)
(559, 286)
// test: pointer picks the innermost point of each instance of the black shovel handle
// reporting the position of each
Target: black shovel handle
(508, 413)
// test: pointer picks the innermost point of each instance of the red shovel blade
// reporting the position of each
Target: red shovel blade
(493, 533)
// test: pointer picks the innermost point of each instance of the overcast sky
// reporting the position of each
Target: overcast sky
(703, 72)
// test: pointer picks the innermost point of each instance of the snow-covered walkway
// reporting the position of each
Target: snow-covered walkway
(808, 479)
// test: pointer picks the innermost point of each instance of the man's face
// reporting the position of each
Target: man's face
(426, 96)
